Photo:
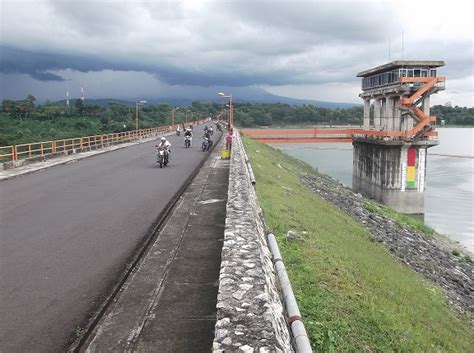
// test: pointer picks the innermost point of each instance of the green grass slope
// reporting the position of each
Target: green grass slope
(353, 294)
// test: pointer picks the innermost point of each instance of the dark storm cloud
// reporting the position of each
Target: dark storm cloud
(34, 64)
(37, 65)
(231, 79)
(229, 43)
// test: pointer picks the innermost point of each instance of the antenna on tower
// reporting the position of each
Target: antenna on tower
(402, 46)
(82, 92)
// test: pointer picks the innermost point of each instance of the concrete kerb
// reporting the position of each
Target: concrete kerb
(250, 315)
(23, 167)
(300, 337)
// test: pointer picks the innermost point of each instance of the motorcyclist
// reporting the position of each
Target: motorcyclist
(178, 130)
(189, 133)
(166, 146)
(208, 136)
(211, 130)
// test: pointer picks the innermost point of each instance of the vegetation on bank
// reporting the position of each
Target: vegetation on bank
(414, 223)
(353, 294)
(25, 121)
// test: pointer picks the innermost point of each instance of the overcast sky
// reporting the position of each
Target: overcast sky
(310, 49)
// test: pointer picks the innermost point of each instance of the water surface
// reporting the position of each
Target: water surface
(449, 194)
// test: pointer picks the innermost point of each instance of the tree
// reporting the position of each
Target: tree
(79, 106)
(31, 100)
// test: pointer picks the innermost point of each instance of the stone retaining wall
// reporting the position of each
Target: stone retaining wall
(250, 315)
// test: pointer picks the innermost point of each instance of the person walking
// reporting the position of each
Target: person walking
(228, 142)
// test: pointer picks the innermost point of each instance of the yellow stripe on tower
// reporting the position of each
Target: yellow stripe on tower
(411, 173)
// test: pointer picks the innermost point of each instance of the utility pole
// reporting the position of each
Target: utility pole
(174, 109)
(136, 113)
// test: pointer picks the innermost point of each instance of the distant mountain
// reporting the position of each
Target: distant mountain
(254, 95)
(266, 97)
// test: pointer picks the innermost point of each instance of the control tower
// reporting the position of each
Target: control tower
(389, 160)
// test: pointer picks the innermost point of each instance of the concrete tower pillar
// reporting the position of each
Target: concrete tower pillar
(383, 114)
(377, 122)
(389, 113)
(407, 120)
(366, 120)
(426, 105)
(392, 172)
(410, 122)
(397, 124)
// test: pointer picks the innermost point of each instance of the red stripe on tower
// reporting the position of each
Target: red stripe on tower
(411, 157)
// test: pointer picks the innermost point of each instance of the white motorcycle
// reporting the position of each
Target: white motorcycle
(162, 156)
(187, 141)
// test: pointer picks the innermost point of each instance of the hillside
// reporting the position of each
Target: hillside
(353, 292)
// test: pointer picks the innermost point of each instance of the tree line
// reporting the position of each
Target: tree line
(24, 121)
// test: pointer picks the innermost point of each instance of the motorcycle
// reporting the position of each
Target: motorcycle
(205, 144)
(178, 132)
(187, 141)
(162, 157)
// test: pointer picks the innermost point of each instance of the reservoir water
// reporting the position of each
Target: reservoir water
(449, 194)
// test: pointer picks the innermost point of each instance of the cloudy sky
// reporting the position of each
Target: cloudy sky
(307, 49)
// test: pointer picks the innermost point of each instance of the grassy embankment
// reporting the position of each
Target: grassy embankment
(353, 294)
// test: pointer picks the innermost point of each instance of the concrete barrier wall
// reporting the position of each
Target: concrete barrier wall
(250, 315)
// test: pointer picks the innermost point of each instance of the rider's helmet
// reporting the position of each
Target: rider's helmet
(163, 139)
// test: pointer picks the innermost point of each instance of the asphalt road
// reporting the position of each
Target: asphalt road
(66, 232)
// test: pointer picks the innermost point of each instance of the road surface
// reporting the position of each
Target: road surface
(66, 233)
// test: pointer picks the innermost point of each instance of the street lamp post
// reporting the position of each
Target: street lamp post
(174, 110)
(136, 113)
(230, 118)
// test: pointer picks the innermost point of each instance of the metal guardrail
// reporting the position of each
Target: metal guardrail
(295, 321)
(47, 148)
